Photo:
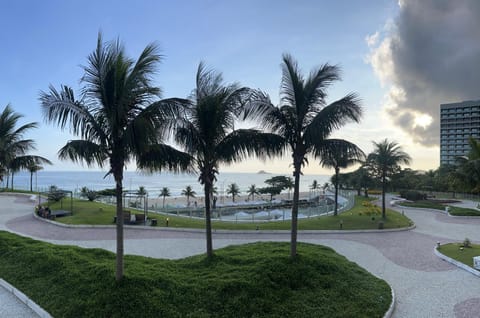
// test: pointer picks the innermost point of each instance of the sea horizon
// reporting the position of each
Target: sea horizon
(74, 180)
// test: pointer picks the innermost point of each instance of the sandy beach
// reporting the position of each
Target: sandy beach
(225, 200)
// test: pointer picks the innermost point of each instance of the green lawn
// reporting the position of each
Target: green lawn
(252, 280)
(359, 217)
(465, 256)
(454, 210)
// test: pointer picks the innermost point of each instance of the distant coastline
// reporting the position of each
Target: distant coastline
(153, 183)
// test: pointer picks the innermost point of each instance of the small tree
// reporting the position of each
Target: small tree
(281, 182)
(142, 191)
(342, 155)
(314, 187)
(164, 193)
(252, 191)
(270, 190)
(384, 161)
(89, 194)
(55, 194)
(188, 192)
(233, 190)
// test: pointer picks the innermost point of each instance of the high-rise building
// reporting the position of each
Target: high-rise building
(458, 122)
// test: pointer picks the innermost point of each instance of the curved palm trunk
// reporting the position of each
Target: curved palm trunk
(296, 196)
(384, 186)
(337, 172)
(208, 222)
(118, 175)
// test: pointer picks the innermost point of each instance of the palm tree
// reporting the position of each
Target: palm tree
(252, 190)
(385, 160)
(314, 187)
(289, 185)
(188, 192)
(208, 133)
(233, 190)
(303, 119)
(341, 156)
(325, 187)
(13, 148)
(142, 191)
(164, 193)
(117, 118)
(33, 168)
(468, 171)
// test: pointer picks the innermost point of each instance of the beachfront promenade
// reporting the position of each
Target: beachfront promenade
(424, 285)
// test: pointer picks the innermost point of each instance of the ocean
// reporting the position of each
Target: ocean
(153, 183)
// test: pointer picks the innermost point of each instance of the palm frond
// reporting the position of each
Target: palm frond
(332, 117)
(244, 143)
(291, 89)
(258, 108)
(161, 157)
(338, 153)
(84, 151)
(62, 109)
(316, 84)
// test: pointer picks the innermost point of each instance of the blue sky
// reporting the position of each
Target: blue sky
(45, 42)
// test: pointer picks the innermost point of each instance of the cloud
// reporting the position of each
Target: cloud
(372, 39)
(428, 55)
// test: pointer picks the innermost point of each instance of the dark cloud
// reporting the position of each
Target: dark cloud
(431, 55)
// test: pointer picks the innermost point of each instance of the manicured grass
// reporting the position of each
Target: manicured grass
(423, 204)
(454, 210)
(359, 217)
(253, 280)
(465, 256)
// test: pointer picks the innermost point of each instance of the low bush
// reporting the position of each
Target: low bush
(252, 280)
(413, 195)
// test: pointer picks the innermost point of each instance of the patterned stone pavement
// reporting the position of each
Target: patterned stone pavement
(425, 286)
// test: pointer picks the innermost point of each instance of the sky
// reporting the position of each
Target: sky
(403, 58)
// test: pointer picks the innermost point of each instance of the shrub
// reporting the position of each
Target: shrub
(55, 194)
(413, 195)
(107, 192)
(467, 243)
(89, 194)
(370, 208)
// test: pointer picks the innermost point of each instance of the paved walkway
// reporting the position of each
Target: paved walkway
(425, 286)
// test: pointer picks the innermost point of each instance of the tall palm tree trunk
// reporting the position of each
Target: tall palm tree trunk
(384, 186)
(12, 179)
(163, 207)
(120, 250)
(296, 197)
(31, 181)
(337, 172)
(208, 221)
